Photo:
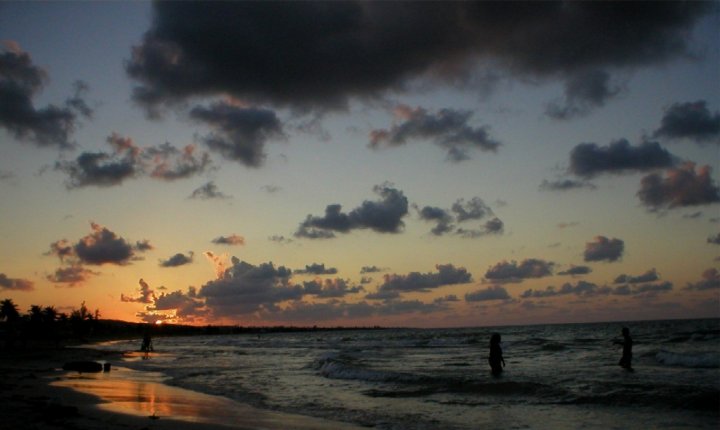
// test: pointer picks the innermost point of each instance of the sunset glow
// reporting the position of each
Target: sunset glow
(173, 169)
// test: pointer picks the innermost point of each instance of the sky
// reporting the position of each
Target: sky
(356, 164)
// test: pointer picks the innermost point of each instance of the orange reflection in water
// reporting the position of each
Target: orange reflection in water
(147, 397)
(143, 394)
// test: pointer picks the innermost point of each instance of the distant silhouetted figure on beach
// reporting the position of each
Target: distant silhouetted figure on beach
(146, 346)
(627, 344)
(496, 360)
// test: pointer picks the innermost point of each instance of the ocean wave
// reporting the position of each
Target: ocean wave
(697, 360)
(335, 369)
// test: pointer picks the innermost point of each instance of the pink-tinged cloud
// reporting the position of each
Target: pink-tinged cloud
(15, 284)
(680, 187)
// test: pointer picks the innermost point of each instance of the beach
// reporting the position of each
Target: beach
(556, 377)
(35, 393)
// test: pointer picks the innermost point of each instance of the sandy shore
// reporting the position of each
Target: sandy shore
(35, 393)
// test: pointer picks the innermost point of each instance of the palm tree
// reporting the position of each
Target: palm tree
(50, 314)
(9, 311)
(36, 314)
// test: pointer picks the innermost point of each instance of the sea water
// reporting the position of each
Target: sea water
(556, 376)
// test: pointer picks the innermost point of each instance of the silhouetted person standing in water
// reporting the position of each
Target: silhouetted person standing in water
(627, 344)
(496, 360)
(146, 346)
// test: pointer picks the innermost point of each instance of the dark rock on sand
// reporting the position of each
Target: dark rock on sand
(83, 366)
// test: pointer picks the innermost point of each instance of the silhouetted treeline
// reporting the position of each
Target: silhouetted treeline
(45, 326)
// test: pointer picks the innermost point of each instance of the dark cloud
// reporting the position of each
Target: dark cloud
(170, 163)
(317, 269)
(20, 82)
(589, 289)
(691, 120)
(681, 187)
(233, 239)
(513, 272)
(710, 280)
(565, 185)
(649, 276)
(604, 249)
(207, 192)
(460, 212)
(581, 288)
(393, 285)
(333, 310)
(584, 92)
(383, 216)
(714, 239)
(438, 215)
(102, 169)
(576, 270)
(143, 245)
(320, 54)
(99, 247)
(447, 299)
(244, 288)
(145, 294)
(492, 226)
(330, 288)
(447, 128)
(495, 292)
(371, 269)
(239, 133)
(589, 159)
(15, 284)
(178, 259)
(186, 306)
(72, 275)
(649, 289)
(474, 209)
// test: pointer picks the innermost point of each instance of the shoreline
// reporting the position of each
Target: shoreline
(36, 393)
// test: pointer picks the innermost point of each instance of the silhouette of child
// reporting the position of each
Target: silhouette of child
(627, 344)
(496, 360)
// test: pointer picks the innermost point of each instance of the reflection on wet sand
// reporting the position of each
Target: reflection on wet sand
(144, 394)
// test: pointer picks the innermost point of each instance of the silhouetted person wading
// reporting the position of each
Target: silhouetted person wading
(496, 360)
(627, 344)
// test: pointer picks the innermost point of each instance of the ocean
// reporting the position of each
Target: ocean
(556, 376)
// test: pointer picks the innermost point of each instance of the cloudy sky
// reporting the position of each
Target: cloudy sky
(413, 164)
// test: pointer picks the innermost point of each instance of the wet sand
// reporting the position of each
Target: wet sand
(35, 393)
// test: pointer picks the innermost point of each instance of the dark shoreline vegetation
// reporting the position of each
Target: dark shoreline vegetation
(45, 327)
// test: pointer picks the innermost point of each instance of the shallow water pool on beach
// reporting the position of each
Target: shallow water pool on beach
(557, 376)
